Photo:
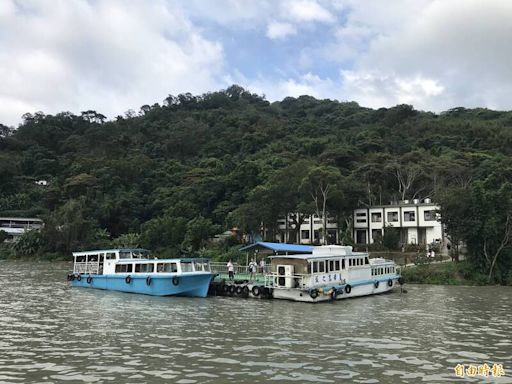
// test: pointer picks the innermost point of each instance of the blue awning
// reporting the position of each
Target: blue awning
(278, 248)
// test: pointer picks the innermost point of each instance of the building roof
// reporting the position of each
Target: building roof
(278, 248)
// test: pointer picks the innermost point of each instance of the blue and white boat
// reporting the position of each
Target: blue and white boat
(132, 270)
(330, 272)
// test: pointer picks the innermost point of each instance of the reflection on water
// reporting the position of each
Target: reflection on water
(51, 332)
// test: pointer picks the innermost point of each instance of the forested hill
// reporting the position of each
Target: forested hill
(196, 165)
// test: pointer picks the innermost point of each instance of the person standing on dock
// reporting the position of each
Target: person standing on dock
(231, 270)
(252, 270)
(262, 266)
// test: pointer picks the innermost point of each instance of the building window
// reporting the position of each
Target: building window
(430, 215)
(392, 217)
(304, 234)
(377, 235)
(409, 216)
(376, 217)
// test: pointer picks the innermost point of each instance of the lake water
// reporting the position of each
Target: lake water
(51, 333)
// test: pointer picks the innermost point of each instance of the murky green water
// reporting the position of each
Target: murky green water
(50, 332)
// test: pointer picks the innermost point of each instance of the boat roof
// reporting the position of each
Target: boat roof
(163, 260)
(324, 252)
(264, 246)
(80, 253)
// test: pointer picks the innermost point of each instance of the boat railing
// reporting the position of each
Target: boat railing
(83, 267)
(222, 268)
(299, 280)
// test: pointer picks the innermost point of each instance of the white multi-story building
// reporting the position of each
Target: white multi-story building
(419, 222)
(17, 226)
(310, 230)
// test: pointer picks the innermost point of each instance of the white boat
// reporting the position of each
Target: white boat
(330, 273)
(131, 270)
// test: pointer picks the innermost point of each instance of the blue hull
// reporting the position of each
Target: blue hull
(190, 284)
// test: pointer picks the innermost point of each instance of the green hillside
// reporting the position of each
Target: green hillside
(180, 172)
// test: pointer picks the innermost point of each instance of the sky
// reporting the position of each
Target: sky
(115, 55)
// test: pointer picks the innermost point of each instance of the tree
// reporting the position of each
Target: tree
(320, 183)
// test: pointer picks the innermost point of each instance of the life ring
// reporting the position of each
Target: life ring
(376, 284)
(128, 279)
(348, 289)
(245, 291)
(175, 280)
(313, 293)
(238, 290)
(78, 277)
(255, 291)
(148, 280)
(390, 283)
(89, 279)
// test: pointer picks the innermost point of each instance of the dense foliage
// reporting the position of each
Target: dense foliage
(180, 172)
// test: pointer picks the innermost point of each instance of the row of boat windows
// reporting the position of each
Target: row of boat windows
(324, 266)
(112, 256)
(382, 271)
(162, 267)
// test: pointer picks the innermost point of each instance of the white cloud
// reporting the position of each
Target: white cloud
(306, 11)
(108, 56)
(278, 30)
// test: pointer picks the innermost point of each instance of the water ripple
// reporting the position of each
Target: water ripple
(52, 333)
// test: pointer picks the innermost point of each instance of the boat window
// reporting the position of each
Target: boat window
(331, 265)
(144, 268)
(321, 266)
(315, 266)
(80, 259)
(342, 263)
(186, 266)
(93, 257)
(366, 261)
(349, 262)
(123, 268)
(309, 268)
(167, 267)
(110, 256)
(200, 266)
(125, 255)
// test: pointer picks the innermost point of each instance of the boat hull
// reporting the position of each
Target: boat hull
(357, 289)
(189, 284)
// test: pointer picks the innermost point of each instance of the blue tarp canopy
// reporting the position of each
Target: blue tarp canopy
(277, 248)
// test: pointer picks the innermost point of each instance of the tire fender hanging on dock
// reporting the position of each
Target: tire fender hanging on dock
(348, 289)
(128, 279)
(175, 280)
(148, 280)
(390, 283)
(89, 279)
(255, 291)
(313, 293)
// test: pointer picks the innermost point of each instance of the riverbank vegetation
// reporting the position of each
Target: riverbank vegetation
(171, 176)
(449, 273)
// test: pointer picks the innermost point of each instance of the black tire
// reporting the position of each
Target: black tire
(78, 277)
(239, 290)
(348, 289)
(376, 284)
(148, 280)
(128, 279)
(245, 291)
(175, 280)
(89, 279)
(225, 289)
(313, 293)
(390, 283)
(256, 291)
(232, 289)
